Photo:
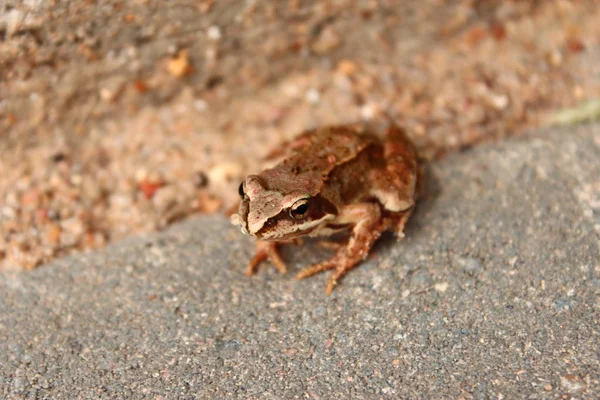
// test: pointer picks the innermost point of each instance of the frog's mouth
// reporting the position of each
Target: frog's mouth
(274, 231)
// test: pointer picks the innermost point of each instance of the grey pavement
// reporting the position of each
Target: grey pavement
(495, 293)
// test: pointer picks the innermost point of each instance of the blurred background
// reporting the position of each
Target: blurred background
(119, 117)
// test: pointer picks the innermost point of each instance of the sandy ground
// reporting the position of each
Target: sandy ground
(125, 116)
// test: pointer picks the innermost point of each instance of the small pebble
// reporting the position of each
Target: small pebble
(214, 33)
(313, 96)
(470, 266)
(421, 279)
(441, 287)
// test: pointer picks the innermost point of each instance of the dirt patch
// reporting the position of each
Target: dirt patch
(120, 117)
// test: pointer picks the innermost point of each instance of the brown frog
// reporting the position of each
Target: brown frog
(331, 179)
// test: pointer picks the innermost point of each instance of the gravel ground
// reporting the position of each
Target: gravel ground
(493, 294)
(119, 117)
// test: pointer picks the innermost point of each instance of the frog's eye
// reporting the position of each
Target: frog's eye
(241, 190)
(299, 209)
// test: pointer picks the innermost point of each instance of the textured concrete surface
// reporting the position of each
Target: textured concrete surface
(494, 294)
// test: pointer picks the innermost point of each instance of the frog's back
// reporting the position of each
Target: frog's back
(321, 150)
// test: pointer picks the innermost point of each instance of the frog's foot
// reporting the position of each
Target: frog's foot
(401, 222)
(340, 263)
(295, 241)
(330, 245)
(266, 250)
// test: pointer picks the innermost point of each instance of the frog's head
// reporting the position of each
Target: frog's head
(276, 208)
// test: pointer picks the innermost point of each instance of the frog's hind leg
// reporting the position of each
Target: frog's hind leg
(394, 185)
(368, 226)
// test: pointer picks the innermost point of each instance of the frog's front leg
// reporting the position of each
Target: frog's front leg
(368, 226)
(266, 250)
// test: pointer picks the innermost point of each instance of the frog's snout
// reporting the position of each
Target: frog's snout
(241, 217)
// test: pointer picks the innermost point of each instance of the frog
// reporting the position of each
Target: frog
(328, 180)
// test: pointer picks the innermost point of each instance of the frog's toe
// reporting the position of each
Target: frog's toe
(402, 223)
(340, 271)
(331, 283)
(316, 268)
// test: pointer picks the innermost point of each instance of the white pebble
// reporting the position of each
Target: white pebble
(313, 96)
(200, 105)
(441, 287)
(367, 112)
(214, 32)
